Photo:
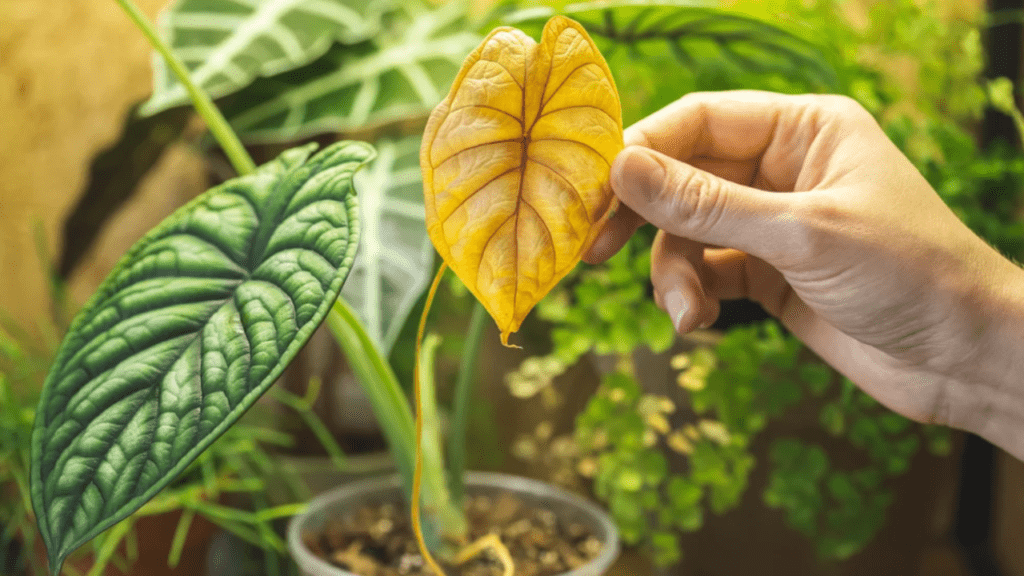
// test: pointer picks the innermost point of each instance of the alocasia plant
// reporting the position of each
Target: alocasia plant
(516, 161)
(191, 327)
(398, 75)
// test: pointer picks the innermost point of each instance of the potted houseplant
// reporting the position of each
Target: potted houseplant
(282, 234)
(195, 323)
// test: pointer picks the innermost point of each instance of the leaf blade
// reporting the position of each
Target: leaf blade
(353, 87)
(227, 44)
(185, 334)
(395, 258)
(700, 32)
(516, 162)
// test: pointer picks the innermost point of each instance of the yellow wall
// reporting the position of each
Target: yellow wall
(69, 71)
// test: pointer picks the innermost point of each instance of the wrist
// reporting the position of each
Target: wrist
(986, 393)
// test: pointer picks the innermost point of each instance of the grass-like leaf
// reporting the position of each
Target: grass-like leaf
(191, 327)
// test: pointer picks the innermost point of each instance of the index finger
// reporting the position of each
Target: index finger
(754, 138)
(751, 137)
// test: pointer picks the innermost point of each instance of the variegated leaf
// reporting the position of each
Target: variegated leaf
(394, 261)
(226, 44)
(398, 75)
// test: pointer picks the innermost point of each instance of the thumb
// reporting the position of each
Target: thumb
(691, 203)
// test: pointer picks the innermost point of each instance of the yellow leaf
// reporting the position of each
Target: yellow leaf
(515, 165)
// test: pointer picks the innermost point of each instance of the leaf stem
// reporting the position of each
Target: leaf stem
(445, 514)
(460, 409)
(380, 384)
(215, 121)
(417, 477)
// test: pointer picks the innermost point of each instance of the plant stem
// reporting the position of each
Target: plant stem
(460, 409)
(448, 517)
(393, 413)
(215, 121)
(380, 384)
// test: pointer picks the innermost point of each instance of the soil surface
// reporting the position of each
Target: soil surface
(378, 540)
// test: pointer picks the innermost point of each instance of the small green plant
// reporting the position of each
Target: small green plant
(734, 389)
(755, 374)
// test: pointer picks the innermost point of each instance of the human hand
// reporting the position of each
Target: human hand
(802, 204)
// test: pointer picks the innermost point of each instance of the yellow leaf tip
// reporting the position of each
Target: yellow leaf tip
(504, 340)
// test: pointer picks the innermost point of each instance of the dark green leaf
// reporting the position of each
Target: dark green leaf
(697, 33)
(191, 327)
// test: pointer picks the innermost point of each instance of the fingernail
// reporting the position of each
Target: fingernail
(676, 306)
(639, 173)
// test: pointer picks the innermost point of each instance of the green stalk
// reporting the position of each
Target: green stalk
(215, 121)
(178, 540)
(380, 385)
(393, 412)
(460, 409)
(449, 519)
(109, 546)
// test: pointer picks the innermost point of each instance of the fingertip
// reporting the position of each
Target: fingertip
(688, 308)
(616, 231)
(598, 252)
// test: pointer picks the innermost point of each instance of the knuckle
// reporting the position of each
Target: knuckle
(695, 197)
(818, 209)
(818, 218)
(841, 103)
(845, 109)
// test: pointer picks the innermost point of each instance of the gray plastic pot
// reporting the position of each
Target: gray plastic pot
(565, 505)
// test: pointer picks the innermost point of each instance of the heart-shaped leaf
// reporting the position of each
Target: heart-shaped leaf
(226, 44)
(191, 327)
(516, 161)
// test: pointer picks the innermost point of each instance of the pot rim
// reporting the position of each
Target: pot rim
(508, 482)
